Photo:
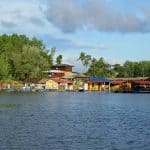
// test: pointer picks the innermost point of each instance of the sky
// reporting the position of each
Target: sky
(117, 30)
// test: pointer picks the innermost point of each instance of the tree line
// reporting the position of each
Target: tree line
(100, 68)
(21, 57)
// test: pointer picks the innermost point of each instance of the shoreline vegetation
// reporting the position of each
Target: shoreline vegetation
(22, 58)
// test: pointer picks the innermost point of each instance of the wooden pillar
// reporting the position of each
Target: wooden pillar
(104, 86)
(109, 86)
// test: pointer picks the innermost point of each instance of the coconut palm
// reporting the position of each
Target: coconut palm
(85, 59)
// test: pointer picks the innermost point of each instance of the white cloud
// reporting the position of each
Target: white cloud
(21, 17)
(69, 16)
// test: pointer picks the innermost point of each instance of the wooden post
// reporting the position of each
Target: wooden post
(109, 86)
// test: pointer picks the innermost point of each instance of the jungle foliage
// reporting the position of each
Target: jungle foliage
(100, 68)
(21, 57)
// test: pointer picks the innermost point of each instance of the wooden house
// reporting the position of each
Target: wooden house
(130, 84)
(141, 86)
(121, 86)
(60, 70)
(59, 84)
(62, 67)
(98, 84)
(64, 84)
(51, 85)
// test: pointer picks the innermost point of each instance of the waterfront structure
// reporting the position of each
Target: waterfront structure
(51, 85)
(12, 84)
(99, 84)
(41, 84)
(60, 70)
(131, 84)
(66, 78)
(64, 84)
(59, 84)
(62, 67)
(120, 86)
(141, 86)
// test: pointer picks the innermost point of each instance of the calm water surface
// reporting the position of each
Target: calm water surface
(74, 121)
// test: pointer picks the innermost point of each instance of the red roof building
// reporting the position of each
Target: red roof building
(62, 67)
(58, 80)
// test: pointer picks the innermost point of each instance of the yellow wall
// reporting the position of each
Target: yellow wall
(94, 87)
(51, 85)
(122, 87)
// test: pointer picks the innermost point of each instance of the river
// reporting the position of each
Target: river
(74, 121)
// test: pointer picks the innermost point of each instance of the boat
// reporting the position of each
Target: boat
(81, 90)
(141, 89)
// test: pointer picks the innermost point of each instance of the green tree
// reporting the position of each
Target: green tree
(129, 69)
(33, 63)
(59, 59)
(4, 69)
(82, 57)
(21, 57)
(119, 70)
(99, 68)
(51, 55)
(85, 59)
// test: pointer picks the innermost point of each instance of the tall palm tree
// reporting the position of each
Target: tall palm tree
(93, 63)
(85, 59)
(82, 57)
(51, 55)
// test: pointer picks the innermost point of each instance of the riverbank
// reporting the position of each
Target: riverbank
(117, 85)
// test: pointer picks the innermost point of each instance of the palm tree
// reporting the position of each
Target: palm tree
(82, 57)
(85, 59)
(93, 63)
(51, 55)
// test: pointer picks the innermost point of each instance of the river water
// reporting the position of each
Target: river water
(74, 121)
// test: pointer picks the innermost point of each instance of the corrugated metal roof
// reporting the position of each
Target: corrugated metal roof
(62, 65)
(56, 71)
(130, 79)
(140, 82)
(99, 79)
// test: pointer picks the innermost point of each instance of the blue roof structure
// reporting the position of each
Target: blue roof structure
(99, 79)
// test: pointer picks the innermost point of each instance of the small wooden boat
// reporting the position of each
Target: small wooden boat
(81, 90)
